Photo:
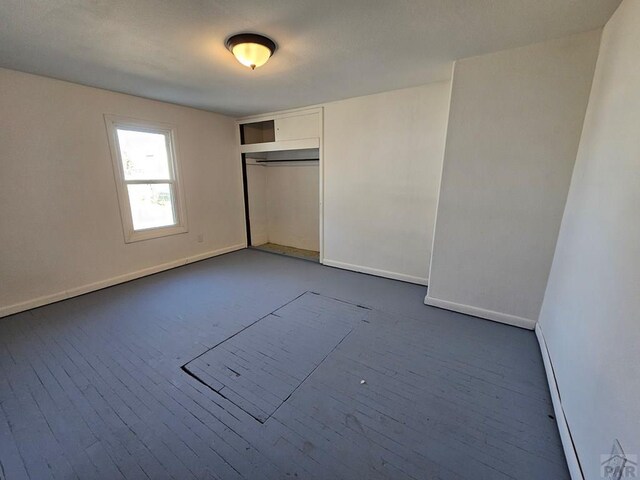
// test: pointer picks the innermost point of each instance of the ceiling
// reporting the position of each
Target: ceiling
(173, 50)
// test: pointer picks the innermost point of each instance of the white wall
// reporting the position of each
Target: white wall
(60, 227)
(382, 164)
(284, 205)
(293, 205)
(590, 316)
(514, 128)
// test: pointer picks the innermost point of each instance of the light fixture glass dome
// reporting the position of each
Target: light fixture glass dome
(250, 49)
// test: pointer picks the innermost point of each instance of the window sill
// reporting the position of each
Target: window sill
(148, 234)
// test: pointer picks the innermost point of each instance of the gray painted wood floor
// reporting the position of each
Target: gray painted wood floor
(109, 385)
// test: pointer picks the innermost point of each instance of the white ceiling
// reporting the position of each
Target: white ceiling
(173, 50)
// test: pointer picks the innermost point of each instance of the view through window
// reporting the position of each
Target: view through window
(148, 177)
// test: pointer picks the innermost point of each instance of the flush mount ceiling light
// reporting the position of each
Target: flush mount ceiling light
(250, 49)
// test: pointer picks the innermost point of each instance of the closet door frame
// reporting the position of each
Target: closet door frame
(243, 166)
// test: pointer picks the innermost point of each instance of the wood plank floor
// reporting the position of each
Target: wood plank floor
(93, 387)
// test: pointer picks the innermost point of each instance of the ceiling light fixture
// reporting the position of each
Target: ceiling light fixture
(250, 49)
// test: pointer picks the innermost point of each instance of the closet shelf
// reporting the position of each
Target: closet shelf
(284, 156)
(281, 146)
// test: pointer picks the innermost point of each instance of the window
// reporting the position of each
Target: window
(147, 178)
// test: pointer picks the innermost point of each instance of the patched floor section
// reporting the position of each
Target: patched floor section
(260, 367)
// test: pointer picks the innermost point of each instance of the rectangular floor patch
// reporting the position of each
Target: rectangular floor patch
(261, 366)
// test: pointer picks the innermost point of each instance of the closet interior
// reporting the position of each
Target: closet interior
(281, 159)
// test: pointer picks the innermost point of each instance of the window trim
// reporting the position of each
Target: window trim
(113, 122)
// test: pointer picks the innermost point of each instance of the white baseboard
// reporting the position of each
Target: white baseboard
(482, 313)
(377, 272)
(74, 292)
(565, 434)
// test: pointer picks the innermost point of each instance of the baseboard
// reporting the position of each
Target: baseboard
(482, 313)
(377, 272)
(575, 470)
(74, 292)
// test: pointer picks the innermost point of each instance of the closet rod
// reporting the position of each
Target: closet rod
(291, 160)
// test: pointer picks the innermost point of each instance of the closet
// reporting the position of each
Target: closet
(281, 160)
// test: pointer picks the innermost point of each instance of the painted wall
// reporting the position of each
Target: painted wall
(60, 227)
(590, 317)
(284, 204)
(293, 205)
(514, 128)
(382, 163)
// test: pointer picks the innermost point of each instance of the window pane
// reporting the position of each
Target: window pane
(144, 155)
(151, 205)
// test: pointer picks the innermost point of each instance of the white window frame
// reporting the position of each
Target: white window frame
(113, 123)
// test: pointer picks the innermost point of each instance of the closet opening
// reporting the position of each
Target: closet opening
(282, 190)
(282, 175)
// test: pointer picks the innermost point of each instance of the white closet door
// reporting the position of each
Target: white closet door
(296, 127)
